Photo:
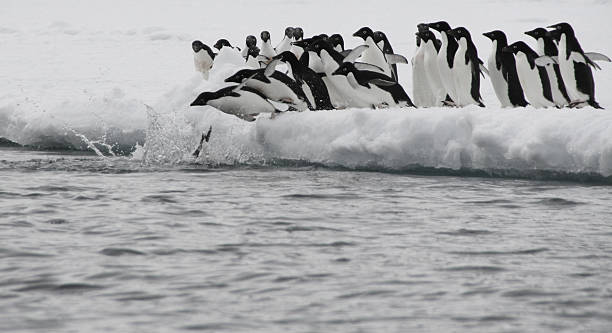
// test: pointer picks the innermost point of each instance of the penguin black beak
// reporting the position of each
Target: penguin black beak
(487, 34)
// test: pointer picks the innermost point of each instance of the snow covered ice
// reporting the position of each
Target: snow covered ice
(91, 69)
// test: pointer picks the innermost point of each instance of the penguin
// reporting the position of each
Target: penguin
(243, 102)
(373, 55)
(298, 35)
(421, 87)
(337, 42)
(205, 138)
(203, 58)
(312, 84)
(574, 66)
(266, 46)
(502, 71)
(466, 69)
(446, 58)
(252, 59)
(251, 42)
(285, 43)
(221, 43)
(383, 43)
(276, 86)
(547, 47)
(533, 78)
(432, 72)
(381, 88)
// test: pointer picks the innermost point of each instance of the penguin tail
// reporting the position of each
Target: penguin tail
(595, 104)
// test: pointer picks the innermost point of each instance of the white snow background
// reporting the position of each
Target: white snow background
(73, 67)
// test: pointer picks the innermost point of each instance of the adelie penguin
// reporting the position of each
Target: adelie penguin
(252, 59)
(547, 47)
(243, 102)
(533, 78)
(298, 35)
(380, 38)
(312, 84)
(502, 71)
(421, 88)
(574, 65)
(381, 89)
(285, 43)
(266, 46)
(432, 71)
(446, 58)
(276, 86)
(203, 58)
(251, 43)
(466, 69)
(373, 55)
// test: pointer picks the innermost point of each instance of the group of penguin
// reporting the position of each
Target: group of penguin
(318, 73)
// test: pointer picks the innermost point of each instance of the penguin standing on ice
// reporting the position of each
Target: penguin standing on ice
(203, 58)
(252, 59)
(547, 47)
(298, 35)
(285, 43)
(421, 87)
(251, 43)
(533, 78)
(243, 102)
(502, 71)
(432, 71)
(466, 69)
(574, 65)
(373, 55)
(312, 84)
(266, 46)
(446, 58)
(383, 43)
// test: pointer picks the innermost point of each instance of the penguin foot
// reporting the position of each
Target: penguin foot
(578, 104)
(450, 104)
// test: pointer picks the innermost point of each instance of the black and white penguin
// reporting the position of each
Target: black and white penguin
(221, 43)
(382, 89)
(251, 43)
(547, 47)
(446, 57)
(298, 35)
(252, 59)
(373, 55)
(337, 42)
(466, 69)
(431, 47)
(421, 88)
(243, 102)
(203, 58)
(502, 71)
(312, 84)
(266, 46)
(534, 79)
(276, 86)
(285, 43)
(380, 38)
(574, 65)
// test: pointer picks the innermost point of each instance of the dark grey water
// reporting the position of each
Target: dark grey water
(91, 244)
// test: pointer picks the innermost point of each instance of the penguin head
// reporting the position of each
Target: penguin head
(364, 33)
(288, 32)
(422, 27)
(203, 98)
(379, 36)
(253, 51)
(286, 56)
(537, 33)
(344, 69)
(197, 46)
(426, 36)
(320, 44)
(517, 47)
(336, 39)
(221, 43)
(496, 35)
(298, 33)
(265, 36)
(251, 41)
(440, 26)
(459, 33)
(241, 75)
(563, 28)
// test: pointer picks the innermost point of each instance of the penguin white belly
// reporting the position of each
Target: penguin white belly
(277, 91)
(421, 87)
(558, 98)
(309, 95)
(462, 75)
(284, 45)
(568, 73)
(349, 94)
(365, 94)
(374, 56)
(531, 82)
(433, 74)
(252, 62)
(202, 62)
(267, 50)
(446, 75)
(315, 63)
(336, 96)
(247, 103)
(500, 86)
(297, 51)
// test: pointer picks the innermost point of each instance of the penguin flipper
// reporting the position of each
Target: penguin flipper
(381, 82)
(247, 117)
(271, 67)
(545, 61)
(362, 66)
(594, 56)
(484, 70)
(396, 59)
